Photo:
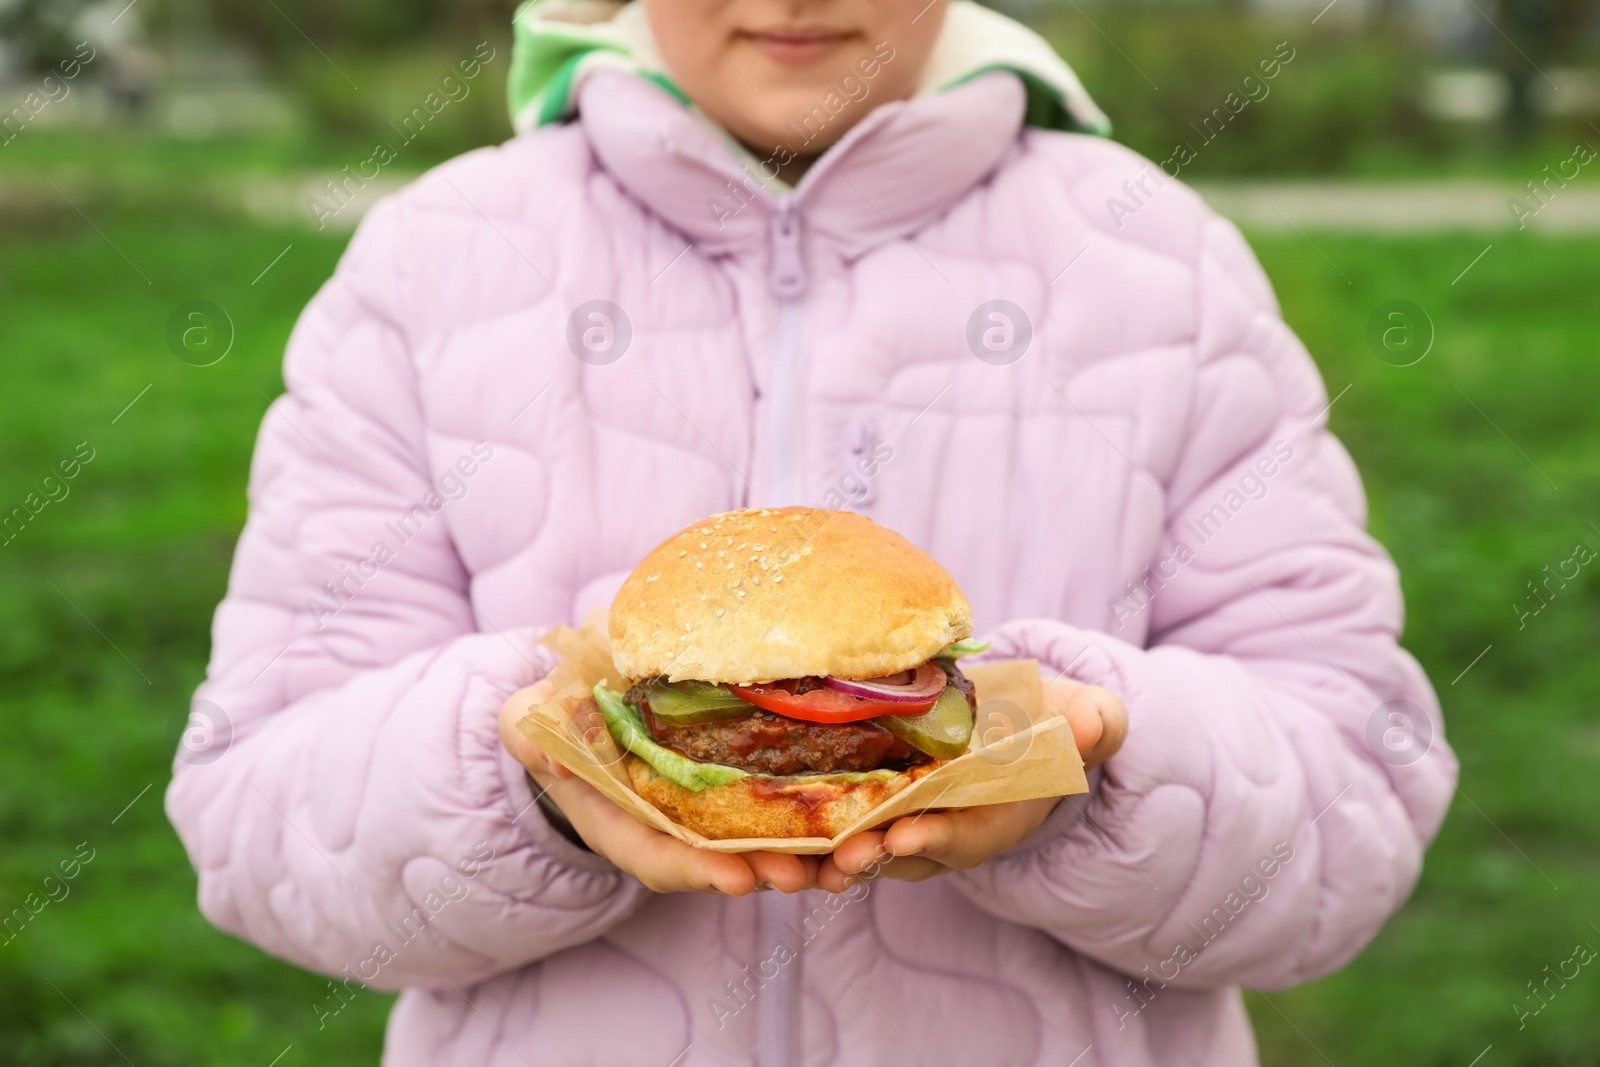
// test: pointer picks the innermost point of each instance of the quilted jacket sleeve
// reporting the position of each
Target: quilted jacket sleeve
(342, 791)
(1285, 766)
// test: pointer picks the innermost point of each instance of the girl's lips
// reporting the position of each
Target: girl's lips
(796, 48)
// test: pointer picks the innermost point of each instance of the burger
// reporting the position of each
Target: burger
(786, 671)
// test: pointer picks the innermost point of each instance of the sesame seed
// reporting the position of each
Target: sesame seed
(683, 553)
(721, 612)
(741, 592)
(652, 578)
(777, 577)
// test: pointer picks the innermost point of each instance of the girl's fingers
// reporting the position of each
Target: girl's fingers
(1099, 720)
(941, 837)
(577, 801)
(963, 839)
(538, 693)
(832, 879)
(859, 851)
(663, 863)
(1088, 728)
(1112, 715)
(902, 869)
(510, 736)
(523, 750)
(666, 865)
(788, 874)
(930, 835)
(855, 857)
(540, 765)
(811, 865)
(913, 869)
(870, 855)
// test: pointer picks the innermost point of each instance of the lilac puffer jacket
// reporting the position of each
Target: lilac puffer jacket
(1130, 479)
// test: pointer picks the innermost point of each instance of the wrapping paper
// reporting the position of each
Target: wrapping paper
(1019, 750)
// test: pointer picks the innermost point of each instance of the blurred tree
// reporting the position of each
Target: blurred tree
(40, 31)
(1332, 95)
(1534, 34)
(276, 28)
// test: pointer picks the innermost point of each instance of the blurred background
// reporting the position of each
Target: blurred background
(1419, 178)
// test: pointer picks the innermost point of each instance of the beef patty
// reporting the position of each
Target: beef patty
(765, 743)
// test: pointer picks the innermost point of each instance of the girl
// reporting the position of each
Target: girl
(862, 253)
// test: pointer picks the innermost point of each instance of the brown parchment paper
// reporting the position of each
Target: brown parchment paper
(1019, 750)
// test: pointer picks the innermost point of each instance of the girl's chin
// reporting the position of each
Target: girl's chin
(796, 121)
(785, 142)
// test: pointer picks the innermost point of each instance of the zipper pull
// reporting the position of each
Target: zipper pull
(859, 481)
(788, 263)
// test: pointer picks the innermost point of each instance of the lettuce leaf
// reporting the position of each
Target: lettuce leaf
(628, 730)
(964, 647)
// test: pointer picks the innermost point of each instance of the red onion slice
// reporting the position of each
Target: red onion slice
(925, 685)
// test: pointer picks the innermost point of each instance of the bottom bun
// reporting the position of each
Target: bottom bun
(767, 807)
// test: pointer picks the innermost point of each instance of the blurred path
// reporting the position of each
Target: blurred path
(1472, 205)
(1403, 207)
(1384, 207)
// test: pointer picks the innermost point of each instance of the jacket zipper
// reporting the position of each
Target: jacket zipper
(778, 1010)
(788, 282)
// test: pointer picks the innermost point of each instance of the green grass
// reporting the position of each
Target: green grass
(1471, 519)
(94, 702)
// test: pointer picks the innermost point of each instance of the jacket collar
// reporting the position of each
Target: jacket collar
(896, 170)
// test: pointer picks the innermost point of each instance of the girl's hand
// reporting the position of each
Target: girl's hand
(663, 863)
(1098, 718)
(922, 846)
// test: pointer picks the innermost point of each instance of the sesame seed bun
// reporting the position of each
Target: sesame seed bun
(768, 807)
(762, 595)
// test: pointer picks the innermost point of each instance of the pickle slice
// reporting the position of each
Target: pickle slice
(693, 703)
(942, 731)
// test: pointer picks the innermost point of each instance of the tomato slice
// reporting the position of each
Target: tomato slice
(824, 705)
